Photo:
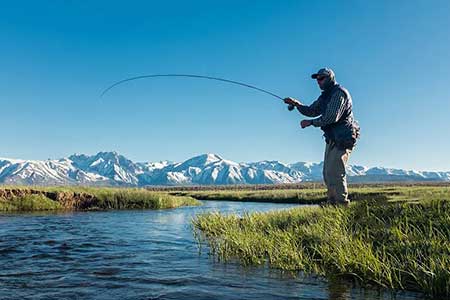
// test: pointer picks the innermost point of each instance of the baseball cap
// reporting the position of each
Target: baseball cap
(323, 72)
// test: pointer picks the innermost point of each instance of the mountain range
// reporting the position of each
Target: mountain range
(113, 169)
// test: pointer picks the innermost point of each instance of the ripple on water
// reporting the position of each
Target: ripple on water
(106, 271)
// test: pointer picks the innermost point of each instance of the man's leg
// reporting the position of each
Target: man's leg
(336, 173)
(326, 164)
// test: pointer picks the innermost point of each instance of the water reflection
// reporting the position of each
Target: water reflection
(339, 290)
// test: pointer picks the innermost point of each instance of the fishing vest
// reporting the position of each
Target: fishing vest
(345, 131)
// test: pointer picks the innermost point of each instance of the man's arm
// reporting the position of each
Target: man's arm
(334, 111)
(309, 111)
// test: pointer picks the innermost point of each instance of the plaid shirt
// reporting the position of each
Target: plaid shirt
(333, 113)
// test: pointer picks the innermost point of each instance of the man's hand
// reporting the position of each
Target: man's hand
(305, 123)
(292, 101)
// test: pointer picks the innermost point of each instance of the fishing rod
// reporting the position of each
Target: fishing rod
(291, 107)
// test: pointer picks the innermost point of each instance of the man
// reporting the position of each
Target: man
(334, 106)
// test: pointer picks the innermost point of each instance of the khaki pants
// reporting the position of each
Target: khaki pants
(334, 175)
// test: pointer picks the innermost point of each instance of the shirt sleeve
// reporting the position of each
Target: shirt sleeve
(334, 111)
(310, 111)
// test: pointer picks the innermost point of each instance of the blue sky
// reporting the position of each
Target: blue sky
(57, 56)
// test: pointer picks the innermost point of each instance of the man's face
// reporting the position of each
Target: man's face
(321, 81)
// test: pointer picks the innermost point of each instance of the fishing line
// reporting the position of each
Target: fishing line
(191, 76)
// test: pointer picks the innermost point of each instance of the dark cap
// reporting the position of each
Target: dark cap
(323, 72)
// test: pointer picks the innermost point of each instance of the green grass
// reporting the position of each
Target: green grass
(316, 196)
(301, 196)
(400, 239)
(87, 198)
(29, 203)
(139, 199)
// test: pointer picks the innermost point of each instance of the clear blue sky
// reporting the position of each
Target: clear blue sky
(57, 56)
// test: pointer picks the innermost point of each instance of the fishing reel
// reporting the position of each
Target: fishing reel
(291, 107)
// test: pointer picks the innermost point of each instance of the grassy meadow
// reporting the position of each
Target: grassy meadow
(87, 198)
(394, 237)
(310, 195)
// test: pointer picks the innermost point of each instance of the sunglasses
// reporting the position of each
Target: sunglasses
(321, 78)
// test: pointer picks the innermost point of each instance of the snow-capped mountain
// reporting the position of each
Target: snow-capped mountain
(109, 165)
(49, 172)
(111, 168)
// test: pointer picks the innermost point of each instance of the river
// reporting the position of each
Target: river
(141, 254)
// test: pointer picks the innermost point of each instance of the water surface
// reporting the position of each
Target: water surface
(142, 254)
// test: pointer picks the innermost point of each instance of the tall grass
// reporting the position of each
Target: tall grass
(87, 198)
(139, 199)
(29, 203)
(393, 243)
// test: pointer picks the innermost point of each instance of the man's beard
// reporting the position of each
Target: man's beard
(327, 83)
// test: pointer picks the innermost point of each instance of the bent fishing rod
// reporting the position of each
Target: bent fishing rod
(290, 107)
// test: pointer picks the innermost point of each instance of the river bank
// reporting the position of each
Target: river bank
(16, 198)
(391, 237)
(87, 198)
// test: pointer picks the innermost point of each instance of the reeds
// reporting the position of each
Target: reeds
(389, 241)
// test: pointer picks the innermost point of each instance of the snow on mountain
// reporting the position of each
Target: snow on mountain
(48, 172)
(110, 165)
(151, 166)
(111, 168)
(202, 169)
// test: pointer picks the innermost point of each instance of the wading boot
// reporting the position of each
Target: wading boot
(332, 203)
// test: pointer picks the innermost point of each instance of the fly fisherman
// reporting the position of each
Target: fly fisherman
(335, 117)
